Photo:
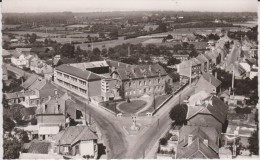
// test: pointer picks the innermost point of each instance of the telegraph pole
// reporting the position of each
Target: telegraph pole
(233, 78)
(190, 70)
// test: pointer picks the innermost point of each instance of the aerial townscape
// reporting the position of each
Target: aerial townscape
(129, 84)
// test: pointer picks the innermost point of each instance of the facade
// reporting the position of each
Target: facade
(18, 59)
(5, 73)
(180, 57)
(139, 80)
(110, 89)
(210, 111)
(83, 83)
(208, 83)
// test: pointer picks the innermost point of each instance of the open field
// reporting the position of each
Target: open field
(111, 43)
(40, 34)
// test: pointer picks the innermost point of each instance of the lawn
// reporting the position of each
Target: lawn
(132, 107)
(158, 101)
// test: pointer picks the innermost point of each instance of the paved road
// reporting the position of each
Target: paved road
(235, 53)
(145, 142)
(19, 71)
(111, 131)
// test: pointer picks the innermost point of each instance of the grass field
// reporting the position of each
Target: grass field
(132, 107)
(40, 34)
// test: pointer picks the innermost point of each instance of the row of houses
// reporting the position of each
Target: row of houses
(111, 80)
(28, 58)
(204, 62)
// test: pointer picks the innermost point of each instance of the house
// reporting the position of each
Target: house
(37, 147)
(210, 111)
(110, 89)
(18, 59)
(253, 72)
(6, 55)
(50, 118)
(15, 97)
(77, 140)
(204, 63)
(208, 83)
(196, 142)
(63, 60)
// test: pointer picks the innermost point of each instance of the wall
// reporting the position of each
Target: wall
(94, 88)
(205, 120)
(86, 148)
(51, 119)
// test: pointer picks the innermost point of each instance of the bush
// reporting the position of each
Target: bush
(245, 110)
(163, 141)
(168, 136)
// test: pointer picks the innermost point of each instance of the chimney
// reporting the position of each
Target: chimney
(190, 139)
(206, 142)
(216, 75)
(150, 68)
(45, 107)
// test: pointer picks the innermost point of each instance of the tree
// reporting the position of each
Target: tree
(169, 36)
(173, 61)
(178, 114)
(163, 141)
(96, 51)
(33, 38)
(253, 143)
(12, 147)
(8, 124)
(67, 50)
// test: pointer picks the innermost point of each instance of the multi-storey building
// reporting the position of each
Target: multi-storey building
(111, 80)
(139, 80)
(79, 81)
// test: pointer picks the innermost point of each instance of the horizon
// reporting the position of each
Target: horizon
(90, 6)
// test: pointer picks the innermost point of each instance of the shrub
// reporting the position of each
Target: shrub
(163, 141)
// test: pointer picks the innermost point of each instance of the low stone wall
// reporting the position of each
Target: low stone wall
(162, 104)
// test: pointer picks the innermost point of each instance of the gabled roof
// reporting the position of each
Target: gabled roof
(29, 82)
(52, 106)
(15, 54)
(73, 134)
(197, 148)
(217, 109)
(202, 58)
(211, 79)
(83, 74)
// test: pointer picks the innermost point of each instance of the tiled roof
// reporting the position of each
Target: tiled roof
(66, 60)
(211, 79)
(73, 134)
(84, 74)
(218, 109)
(5, 52)
(15, 54)
(36, 146)
(202, 58)
(14, 95)
(28, 111)
(136, 72)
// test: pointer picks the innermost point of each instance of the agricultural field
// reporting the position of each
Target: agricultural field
(40, 34)
(111, 43)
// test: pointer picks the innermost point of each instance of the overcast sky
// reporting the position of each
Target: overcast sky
(128, 5)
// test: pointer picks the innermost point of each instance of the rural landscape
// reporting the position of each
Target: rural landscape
(140, 84)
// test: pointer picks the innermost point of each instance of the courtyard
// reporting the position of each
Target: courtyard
(131, 107)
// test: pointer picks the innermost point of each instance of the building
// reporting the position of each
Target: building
(181, 57)
(18, 59)
(198, 143)
(210, 111)
(50, 118)
(105, 80)
(208, 83)
(6, 55)
(82, 82)
(139, 80)
(77, 140)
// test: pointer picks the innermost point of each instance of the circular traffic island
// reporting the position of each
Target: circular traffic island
(131, 107)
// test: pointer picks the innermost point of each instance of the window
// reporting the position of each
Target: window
(126, 93)
(74, 79)
(129, 84)
(150, 81)
(140, 83)
(66, 76)
(144, 82)
(66, 149)
(83, 90)
(74, 87)
(59, 73)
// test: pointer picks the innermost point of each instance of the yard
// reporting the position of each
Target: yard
(157, 103)
(132, 107)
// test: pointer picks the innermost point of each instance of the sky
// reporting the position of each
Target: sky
(23, 6)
